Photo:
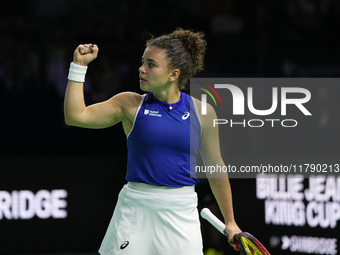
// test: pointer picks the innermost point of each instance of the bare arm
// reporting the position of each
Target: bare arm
(100, 115)
(211, 155)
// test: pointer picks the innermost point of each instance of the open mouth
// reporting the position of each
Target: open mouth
(142, 79)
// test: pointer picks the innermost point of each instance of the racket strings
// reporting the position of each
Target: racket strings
(250, 245)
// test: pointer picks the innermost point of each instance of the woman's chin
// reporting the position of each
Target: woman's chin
(144, 88)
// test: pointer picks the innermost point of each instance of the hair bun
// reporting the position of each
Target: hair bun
(194, 44)
(184, 49)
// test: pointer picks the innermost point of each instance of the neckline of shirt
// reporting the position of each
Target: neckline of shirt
(166, 105)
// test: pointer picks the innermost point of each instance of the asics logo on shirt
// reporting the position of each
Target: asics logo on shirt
(157, 114)
(186, 115)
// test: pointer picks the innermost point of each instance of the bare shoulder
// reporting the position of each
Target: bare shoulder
(128, 103)
(126, 99)
(206, 119)
(197, 102)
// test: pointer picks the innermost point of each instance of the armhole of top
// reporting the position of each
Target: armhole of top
(197, 113)
(134, 121)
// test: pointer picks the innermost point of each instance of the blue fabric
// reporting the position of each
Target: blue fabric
(159, 143)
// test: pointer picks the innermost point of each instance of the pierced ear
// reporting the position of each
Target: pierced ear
(174, 75)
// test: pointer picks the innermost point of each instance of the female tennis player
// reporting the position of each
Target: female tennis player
(156, 211)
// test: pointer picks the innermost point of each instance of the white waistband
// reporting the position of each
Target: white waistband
(186, 190)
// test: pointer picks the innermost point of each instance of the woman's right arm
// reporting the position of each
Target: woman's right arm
(100, 115)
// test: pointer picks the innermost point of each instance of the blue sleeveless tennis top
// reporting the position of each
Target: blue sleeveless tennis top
(159, 143)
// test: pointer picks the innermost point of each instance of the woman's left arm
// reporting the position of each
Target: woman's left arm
(211, 155)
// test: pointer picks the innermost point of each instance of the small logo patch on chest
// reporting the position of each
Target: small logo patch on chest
(186, 115)
(152, 113)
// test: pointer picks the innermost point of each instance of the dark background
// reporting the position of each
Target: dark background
(276, 38)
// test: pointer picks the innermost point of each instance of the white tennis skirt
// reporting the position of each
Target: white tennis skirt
(151, 220)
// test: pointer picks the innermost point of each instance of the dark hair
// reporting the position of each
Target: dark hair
(184, 49)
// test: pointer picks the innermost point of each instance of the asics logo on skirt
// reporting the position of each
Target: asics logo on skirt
(124, 245)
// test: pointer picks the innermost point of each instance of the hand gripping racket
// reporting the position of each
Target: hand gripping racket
(245, 242)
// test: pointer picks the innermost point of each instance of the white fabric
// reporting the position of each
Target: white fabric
(77, 72)
(149, 223)
(186, 190)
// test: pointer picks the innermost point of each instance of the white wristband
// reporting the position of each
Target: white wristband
(77, 72)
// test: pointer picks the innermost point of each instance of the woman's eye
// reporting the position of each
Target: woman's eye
(149, 64)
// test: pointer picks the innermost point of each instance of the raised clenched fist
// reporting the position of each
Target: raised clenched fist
(85, 53)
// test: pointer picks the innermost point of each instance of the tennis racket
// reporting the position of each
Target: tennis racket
(245, 242)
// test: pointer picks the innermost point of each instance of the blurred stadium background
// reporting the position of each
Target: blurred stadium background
(274, 38)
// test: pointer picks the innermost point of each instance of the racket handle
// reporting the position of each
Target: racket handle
(209, 216)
